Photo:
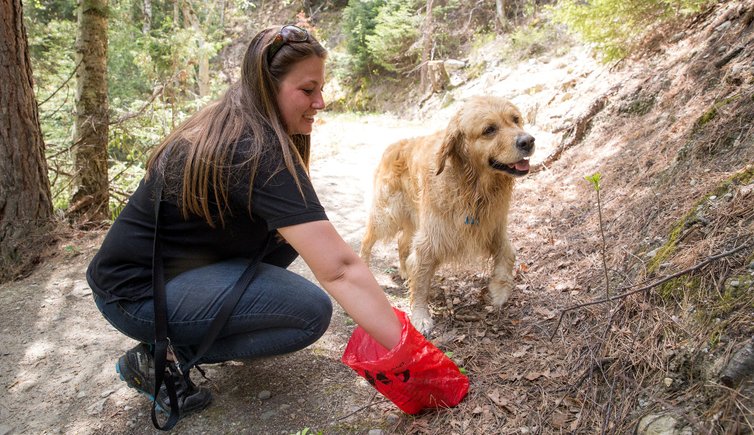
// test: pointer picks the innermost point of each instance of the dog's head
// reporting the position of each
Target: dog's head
(487, 134)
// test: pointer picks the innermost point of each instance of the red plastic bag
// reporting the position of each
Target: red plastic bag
(414, 375)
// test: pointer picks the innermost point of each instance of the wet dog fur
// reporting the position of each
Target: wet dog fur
(446, 197)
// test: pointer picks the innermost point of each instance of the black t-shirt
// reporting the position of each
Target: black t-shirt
(122, 269)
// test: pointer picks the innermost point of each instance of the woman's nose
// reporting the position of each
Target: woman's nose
(318, 103)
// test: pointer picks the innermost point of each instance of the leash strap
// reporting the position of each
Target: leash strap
(162, 341)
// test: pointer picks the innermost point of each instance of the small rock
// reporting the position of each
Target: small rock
(66, 378)
(264, 395)
(654, 424)
(81, 289)
(723, 26)
(106, 393)
(677, 37)
(668, 382)
(97, 407)
(392, 419)
(267, 415)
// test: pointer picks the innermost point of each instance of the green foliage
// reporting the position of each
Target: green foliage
(381, 34)
(152, 81)
(616, 26)
(594, 179)
(359, 21)
(536, 37)
(392, 43)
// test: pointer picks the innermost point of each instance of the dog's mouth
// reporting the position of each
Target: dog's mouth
(517, 169)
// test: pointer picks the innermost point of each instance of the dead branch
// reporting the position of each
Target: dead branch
(130, 115)
(728, 57)
(76, 68)
(650, 286)
(156, 92)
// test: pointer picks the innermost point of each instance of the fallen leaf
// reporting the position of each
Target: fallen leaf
(536, 375)
(575, 423)
(547, 314)
(559, 420)
(496, 399)
(572, 402)
(521, 352)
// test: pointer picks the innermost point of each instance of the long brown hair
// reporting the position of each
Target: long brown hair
(208, 138)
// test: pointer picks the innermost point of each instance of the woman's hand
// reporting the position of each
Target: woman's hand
(346, 278)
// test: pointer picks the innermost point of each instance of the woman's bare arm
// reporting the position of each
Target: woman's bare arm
(346, 278)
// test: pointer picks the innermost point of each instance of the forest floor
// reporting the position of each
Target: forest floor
(648, 359)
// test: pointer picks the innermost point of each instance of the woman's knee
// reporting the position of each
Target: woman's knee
(322, 313)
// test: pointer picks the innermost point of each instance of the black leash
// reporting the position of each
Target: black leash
(162, 341)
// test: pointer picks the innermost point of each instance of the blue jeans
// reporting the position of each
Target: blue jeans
(279, 312)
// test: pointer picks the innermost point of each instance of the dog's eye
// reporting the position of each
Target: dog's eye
(516, 120)
(489, 130)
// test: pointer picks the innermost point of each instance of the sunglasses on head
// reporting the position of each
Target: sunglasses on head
(286, 35)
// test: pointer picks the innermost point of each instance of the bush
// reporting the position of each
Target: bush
(392, 44)
(612, 25)
(359, 21)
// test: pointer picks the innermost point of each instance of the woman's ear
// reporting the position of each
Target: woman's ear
(451, 144)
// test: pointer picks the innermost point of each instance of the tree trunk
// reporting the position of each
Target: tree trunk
(91, 196)
(500, 14)
(426, 48)
(202, 77)
(146, 25)
(25, 199)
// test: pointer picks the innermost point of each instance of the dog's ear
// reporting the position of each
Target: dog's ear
(451, 143)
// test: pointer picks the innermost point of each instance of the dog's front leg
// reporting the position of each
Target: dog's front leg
(421, 267)
(501, 284)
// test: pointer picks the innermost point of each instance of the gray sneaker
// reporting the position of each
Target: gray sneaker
(136, 367)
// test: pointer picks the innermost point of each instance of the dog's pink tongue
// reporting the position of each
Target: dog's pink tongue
(522, 165)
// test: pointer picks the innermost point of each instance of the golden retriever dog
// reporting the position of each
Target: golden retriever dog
(446, 196)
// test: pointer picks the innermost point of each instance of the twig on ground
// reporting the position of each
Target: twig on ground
(369, 404)
(650, 286)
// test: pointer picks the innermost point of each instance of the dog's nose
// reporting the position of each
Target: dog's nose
(525, 142)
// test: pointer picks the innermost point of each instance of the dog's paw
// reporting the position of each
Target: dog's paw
(422, 320)
(499, 294)
(403, 274)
